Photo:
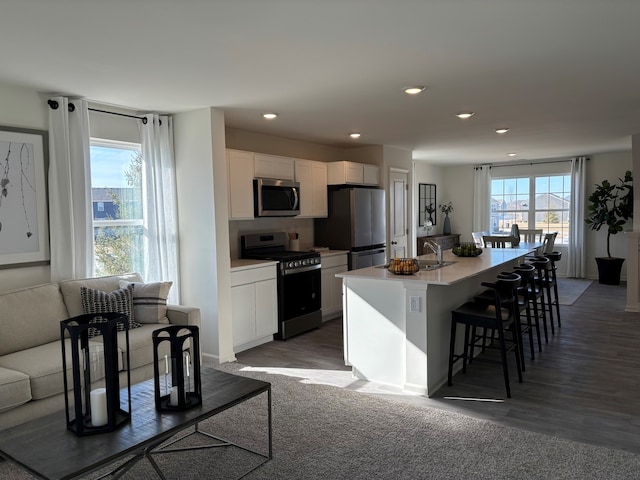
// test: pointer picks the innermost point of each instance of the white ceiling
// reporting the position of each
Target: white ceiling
(564, 75)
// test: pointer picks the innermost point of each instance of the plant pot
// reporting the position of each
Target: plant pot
(609, 269)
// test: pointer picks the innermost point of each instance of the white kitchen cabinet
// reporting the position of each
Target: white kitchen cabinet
(352, 173)
(254, 305)
(332, 286)
(312, 177)
(273, 166)
(240, 184)
(371, 175)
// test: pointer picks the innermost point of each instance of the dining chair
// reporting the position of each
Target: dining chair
(548, 243)
(477, 238)
(531, 235)
(497, 241)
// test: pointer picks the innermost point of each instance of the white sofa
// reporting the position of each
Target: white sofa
(31, 378)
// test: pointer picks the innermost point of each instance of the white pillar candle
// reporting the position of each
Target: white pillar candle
(99, 416)
(174, 396)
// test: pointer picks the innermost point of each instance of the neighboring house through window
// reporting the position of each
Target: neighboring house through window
(116, 191)
(533, 202)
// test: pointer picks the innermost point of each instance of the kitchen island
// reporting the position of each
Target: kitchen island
(397, 327)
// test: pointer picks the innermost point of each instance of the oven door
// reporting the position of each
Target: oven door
(299, 302)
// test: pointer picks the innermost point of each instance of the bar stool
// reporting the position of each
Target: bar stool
(500, 316)
(553, 258)
(542, 290)
(529, 305)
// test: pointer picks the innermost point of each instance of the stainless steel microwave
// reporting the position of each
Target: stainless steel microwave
(276, 198)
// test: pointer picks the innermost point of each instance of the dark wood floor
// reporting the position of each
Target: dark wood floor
(584, 386)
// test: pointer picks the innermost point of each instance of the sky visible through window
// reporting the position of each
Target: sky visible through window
(108, 166)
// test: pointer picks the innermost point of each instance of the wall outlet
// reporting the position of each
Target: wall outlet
(414, 304)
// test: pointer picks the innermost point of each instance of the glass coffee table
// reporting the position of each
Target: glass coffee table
(46, 449)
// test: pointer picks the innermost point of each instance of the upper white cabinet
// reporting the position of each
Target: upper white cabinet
(273, 166)
(345, 172)
(312, 177)
(240, 171)
(371, 174)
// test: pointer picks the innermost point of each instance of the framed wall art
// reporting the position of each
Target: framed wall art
(24, 217)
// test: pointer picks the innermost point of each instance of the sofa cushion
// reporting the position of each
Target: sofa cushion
(141, 346)
(43, 365)
(71, 289)
(149, 301)
(14, 389)
(119, 301)
(30, 317)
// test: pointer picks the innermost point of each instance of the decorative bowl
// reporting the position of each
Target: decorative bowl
(404, 266)
(466, 250)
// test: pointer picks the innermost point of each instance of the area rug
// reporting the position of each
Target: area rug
(570, 289)
(324, 432)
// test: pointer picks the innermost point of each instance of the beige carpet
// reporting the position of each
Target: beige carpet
(570, 289)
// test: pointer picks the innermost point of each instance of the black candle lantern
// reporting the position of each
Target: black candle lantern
(176, 355)
(97, 403)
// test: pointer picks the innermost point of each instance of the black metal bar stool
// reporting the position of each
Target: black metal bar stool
(553, 279)
(528, 304)
(499, 315)
(543, 291)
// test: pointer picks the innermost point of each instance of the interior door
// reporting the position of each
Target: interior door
(398, 228)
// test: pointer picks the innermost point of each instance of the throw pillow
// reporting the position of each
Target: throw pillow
(120, 301)
(149, 301)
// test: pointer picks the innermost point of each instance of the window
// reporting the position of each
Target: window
(116, 196)
(537, 201)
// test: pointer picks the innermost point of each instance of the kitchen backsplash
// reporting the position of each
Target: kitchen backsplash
(302, 226)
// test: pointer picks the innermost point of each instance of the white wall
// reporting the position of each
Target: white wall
(203, 226)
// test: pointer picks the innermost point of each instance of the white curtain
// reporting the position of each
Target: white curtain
(70, 214)
(576, 258)
(160, 205)
(481, 189)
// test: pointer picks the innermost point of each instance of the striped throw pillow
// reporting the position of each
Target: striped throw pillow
(149, 301)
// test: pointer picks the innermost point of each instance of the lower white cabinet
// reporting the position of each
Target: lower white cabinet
(332, 286)
(254, 306)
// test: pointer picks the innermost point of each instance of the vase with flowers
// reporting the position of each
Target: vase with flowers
(446, 208)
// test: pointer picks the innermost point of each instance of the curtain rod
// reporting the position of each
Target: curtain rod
(54, 105)
(525, 164)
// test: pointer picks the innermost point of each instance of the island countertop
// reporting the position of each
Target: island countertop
(461, 268)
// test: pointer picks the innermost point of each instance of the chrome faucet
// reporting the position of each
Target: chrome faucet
(435, 248)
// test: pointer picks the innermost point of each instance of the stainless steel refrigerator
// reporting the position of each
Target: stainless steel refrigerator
(356, 222)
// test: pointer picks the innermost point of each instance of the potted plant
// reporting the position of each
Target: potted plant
(610, 206)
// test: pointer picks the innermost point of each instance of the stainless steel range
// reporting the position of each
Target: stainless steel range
(298, 279)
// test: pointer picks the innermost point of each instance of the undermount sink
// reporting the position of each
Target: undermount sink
(433, 264)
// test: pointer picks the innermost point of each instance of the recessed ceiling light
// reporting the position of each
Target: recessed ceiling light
(512, 154)
(465, 114)
(270, 116)
(355, 135)
(502, 130)
(414, 90)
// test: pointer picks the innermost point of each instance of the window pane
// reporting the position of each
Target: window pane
(552, 205)
(116, 190)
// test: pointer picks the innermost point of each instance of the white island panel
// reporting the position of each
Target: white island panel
(387, 341)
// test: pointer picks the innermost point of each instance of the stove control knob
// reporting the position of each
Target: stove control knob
(305, 262)
(296, 263)
(290, 265)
